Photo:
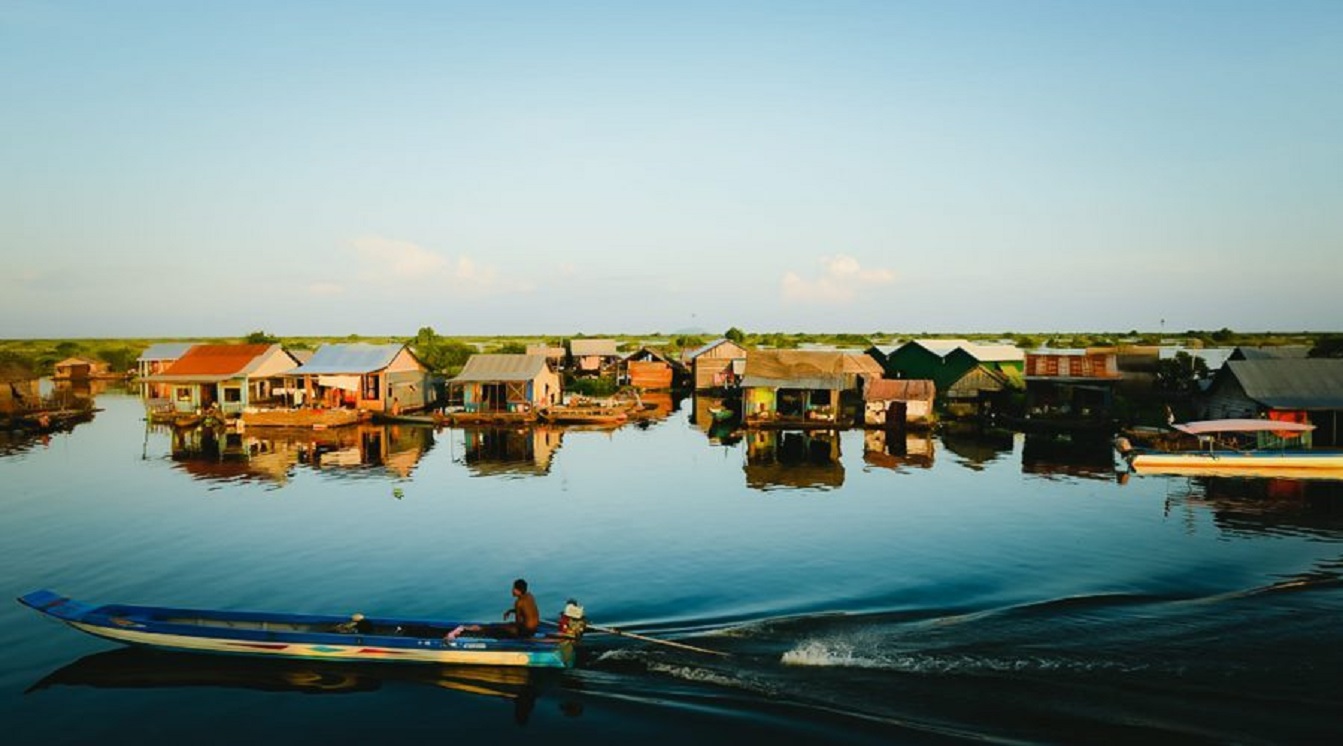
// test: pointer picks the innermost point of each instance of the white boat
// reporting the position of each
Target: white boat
(1224, 448)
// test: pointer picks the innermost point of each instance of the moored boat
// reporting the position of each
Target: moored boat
(310, 636)
(583, 415)
(1218, 447)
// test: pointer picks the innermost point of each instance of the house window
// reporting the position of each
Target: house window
(182, 393)
(232, 395)
(371, 388)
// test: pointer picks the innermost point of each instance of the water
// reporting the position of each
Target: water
(934, 590)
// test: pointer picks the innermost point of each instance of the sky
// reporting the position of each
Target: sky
(197, 169)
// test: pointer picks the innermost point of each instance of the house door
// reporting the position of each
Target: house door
(896, 415)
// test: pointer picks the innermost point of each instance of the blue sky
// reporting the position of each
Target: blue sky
(206, 169)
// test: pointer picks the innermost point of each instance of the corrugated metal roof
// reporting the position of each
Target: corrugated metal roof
(706, 347)
(794, 365)
(901, 389)
(586, 347)
(1312, 383)
(826, 383)
(939, 347)
(485, 368)
(358, 357)
(1279, 352)
(995, 353)
(165, 351)
(219, 361)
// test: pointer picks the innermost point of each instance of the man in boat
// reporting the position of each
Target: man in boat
(526, 618)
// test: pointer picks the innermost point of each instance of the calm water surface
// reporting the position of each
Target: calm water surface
(959, 588)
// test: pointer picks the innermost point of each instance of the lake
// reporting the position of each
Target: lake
(960, 587)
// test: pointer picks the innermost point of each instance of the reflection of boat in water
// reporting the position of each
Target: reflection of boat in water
(1234, 447)
(136, 668)
(309, 636)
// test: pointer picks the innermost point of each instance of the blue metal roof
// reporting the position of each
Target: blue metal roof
(359, 357)
(165, 351)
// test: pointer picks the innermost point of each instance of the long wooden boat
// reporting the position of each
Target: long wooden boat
(581, 415)
(1211, 452)
(310, 636)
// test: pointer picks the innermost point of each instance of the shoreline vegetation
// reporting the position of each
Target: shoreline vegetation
(446, 354)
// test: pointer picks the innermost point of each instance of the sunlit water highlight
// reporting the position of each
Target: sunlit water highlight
(960, 587)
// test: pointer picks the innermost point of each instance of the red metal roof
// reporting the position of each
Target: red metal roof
(215, 360)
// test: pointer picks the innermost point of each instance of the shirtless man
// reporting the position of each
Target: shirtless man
(526, 618)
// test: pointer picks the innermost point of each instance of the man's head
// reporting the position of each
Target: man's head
(519, 587)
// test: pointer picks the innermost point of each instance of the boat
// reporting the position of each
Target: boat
(583, 415)
(313, 637)
(1242, 447)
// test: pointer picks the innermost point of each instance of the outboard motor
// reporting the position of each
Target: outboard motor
(572, 622)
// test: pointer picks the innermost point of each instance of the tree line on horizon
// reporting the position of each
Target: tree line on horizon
(447, 354)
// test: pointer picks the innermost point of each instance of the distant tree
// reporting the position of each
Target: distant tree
(119, 358)
(1027, 342)
(1223, 335)
(511, 348)
(1330, 345)
(68, 349)
(735, 334)
(16, 367)
(261, 338)
(1180, 374)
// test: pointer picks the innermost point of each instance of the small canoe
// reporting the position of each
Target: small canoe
(305, 636)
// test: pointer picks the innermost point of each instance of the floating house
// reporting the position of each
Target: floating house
(80, 369)
(1070, 389)
(154, 360)
(898, 403)
(556, 355)
(505, 387)
(719, 364)
(805, 388)
(593, 357)
(231, 378)
(384, 378)
(967, 376)
(1289, 389)
(648, 369)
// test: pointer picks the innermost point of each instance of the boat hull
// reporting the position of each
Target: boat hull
(1237, 463)
(296, 636)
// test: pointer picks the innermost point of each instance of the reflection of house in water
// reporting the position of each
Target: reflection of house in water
(976, 446)
(892, 449)
(1258, 506)
(272, 453)
(712, 416)
(511, 451)
(1050, 456)
(793, 458)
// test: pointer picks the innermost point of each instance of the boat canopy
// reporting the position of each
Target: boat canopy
(1242, 426)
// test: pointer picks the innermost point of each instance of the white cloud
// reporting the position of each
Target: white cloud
(841, 281)
(325, 289)
(390, 262)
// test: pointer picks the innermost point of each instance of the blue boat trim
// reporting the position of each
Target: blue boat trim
(289, 635)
